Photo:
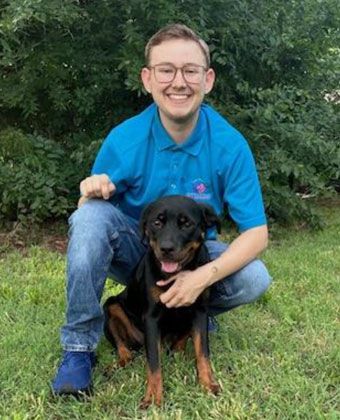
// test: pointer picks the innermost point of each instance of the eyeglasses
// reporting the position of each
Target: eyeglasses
(166, 73)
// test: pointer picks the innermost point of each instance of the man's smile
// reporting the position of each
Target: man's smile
(178, 97)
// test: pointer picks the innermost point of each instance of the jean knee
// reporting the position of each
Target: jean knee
(96, 220)
(91, 230)
(93, 211)
(255, 280)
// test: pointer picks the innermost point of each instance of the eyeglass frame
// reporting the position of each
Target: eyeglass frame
(205, 69)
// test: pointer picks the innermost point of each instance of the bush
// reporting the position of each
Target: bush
(33, 177)
(297, 151)
(70, 71)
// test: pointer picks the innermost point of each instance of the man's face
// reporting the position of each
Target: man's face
(178, 101)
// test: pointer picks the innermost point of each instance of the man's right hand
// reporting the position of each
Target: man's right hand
(96, 186)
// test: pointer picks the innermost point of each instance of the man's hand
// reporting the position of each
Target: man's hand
(96, 186)
(187, 286)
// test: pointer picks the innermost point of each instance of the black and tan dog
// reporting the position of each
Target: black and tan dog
(175, 227)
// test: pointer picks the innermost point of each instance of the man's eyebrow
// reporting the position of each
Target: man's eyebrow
(164, 63)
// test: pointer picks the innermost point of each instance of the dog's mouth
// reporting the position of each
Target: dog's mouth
(170, 267)
(172, 264)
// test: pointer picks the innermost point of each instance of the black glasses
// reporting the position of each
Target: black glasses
(166, 73)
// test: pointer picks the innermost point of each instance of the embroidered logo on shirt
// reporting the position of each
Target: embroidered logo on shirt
(199, 190)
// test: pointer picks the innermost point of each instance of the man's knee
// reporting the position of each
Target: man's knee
(244, 286)
(93, 211)
(91, 232)
(254, 280)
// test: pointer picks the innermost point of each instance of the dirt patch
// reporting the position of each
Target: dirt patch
(52, 236)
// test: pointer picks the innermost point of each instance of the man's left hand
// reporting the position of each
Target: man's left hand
(187, 286)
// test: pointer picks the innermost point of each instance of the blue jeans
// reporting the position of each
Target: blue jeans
(104, 242)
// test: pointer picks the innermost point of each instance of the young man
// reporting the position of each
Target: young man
(176, 146)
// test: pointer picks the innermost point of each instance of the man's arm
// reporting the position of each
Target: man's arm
(245, 248)
(189, 285)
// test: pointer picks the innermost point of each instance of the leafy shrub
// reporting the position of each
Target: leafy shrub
(70, 71)
(297, 152)
(33, 176)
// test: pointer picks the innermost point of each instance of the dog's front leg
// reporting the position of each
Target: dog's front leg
(154, 387)
(201, 346)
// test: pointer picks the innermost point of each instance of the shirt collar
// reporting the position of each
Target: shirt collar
(192, 145)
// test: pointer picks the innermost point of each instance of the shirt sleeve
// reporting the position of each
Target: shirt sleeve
(110, 161)
(242, 193)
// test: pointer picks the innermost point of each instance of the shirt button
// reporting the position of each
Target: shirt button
(173, 186)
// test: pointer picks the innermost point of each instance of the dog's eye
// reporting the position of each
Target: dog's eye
(157, 223)
(184, 223)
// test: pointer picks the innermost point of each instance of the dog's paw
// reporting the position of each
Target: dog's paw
(124, 356)
(151, 399)
(214, 388)
(146, 402)
(122, 362)
(211, 386)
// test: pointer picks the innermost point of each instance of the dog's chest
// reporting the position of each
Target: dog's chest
(176, 320)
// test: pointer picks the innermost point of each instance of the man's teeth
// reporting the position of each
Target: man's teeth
(178, 96)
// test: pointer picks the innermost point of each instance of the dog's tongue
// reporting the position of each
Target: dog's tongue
(169, 267)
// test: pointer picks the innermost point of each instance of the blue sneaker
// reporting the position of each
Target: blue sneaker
(74, 373)
(212, 324)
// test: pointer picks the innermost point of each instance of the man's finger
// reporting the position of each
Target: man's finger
(168, 295)
(107, 190)
(82, 200)
(174, 303)
(112, 188)
(83, 187)
(165, 282)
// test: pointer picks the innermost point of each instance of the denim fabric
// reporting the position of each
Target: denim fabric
(104, 242)
(244, 286)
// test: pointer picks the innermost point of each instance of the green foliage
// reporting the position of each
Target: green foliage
(70, 71)
(297, 151)
(33, 175)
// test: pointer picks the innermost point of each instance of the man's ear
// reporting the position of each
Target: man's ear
(210, 218)
(209, 81)
(146, 78)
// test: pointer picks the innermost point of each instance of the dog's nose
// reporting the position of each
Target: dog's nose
(167, 248)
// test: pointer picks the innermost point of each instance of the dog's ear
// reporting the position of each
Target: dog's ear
(210, 218)
(143, 219)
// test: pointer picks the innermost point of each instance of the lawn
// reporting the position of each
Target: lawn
(275, 359)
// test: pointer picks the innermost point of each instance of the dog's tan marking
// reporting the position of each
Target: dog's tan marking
(189, 249)
(180, 344)
(155, 292)
(116, 311)
(122, 331)
(204, 371)
(154, 389)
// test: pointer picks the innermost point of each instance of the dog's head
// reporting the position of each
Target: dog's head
(175, 227)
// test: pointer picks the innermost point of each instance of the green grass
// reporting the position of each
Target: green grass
(275, 359)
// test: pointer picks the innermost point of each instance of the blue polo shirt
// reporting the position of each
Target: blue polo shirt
(213, 165)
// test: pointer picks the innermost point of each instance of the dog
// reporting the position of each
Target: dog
(174, 227)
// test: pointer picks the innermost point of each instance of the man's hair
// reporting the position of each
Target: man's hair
(176, 31)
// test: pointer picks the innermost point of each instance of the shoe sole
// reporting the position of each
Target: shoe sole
(79, 394)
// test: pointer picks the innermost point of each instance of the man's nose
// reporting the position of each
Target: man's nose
(179, 80)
